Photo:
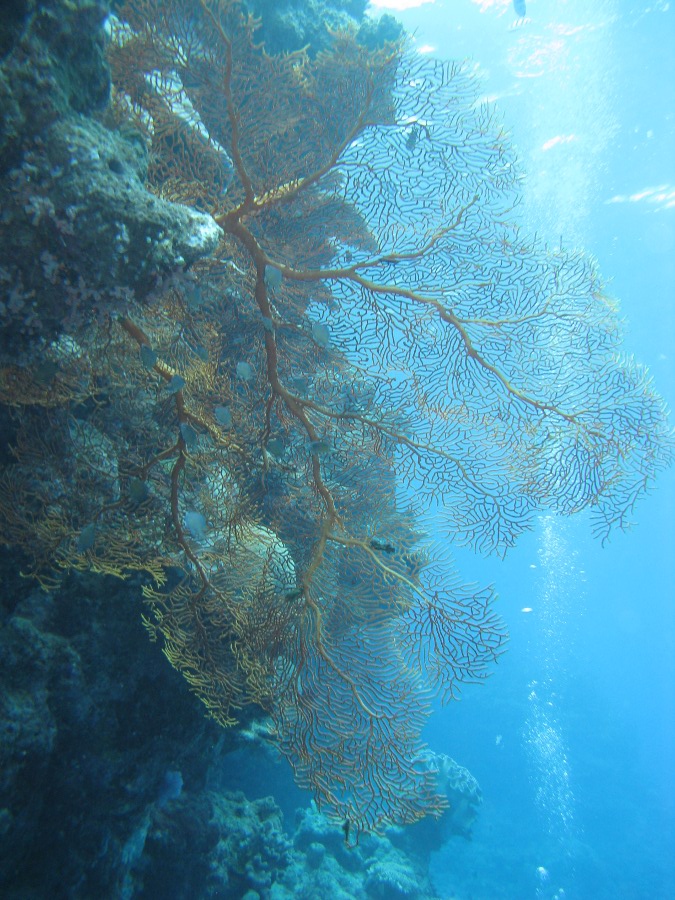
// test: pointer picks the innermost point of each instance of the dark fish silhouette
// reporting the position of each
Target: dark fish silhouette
(519, 7)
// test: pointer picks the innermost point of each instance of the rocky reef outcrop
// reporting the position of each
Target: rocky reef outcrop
(80, 235)
(110, 775)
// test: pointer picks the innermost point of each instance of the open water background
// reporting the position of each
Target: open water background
(573, 739)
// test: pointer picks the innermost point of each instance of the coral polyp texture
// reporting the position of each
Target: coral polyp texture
(263, 434)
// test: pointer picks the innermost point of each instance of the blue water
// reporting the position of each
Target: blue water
(573, 739)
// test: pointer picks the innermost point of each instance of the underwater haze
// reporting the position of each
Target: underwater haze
(573, 739)
(337, 506)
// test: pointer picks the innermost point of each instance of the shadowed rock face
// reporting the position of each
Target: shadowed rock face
(79, 233)
(87, 735)
(292, 24)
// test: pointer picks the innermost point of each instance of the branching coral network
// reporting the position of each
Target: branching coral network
(373, 342)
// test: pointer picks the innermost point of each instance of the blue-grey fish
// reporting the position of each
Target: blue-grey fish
(148, 356)
(195, 523)
(244, 371)
(176, 384)
(321, 334)
(519, 7)
(275, 446)
(138, 490)
(194, 296)
(86, 538)
(189, 435)
(320, 447)
(273, 277)
(223, 416)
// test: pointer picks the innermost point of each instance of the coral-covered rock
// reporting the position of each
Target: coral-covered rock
(80, 234)
(464, 801)
(91, 721)
(373, 868)
(291, 24)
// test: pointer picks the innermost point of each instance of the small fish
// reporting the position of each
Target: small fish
(268, 324)
(148, 356)
(520, 8)
(138, 490)
(300, 383)
(201, 352)
(223, 416)
(275, 446)
(320, 447)
(189, 435)
(346, 827)
(244, 371)
(346, 830)
(382, 546)
(86, 538)
(273, 277)
(194, 296)
(176, 384)
(228, 177)
(321, 334)
(195, 523)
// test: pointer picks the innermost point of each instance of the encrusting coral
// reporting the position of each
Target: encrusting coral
(261, 434)
(81, 234)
